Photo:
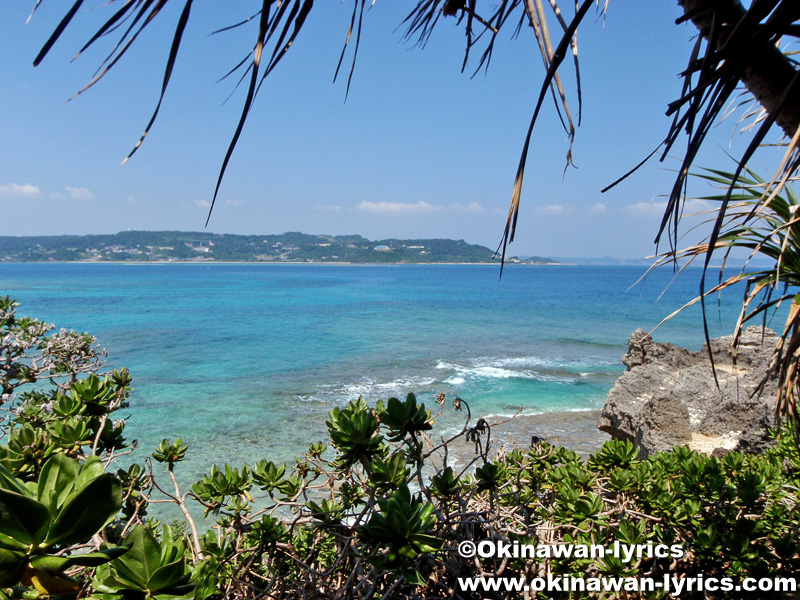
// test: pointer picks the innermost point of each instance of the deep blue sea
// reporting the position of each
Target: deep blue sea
(245, 361)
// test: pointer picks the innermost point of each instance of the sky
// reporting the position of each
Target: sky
(418, 149)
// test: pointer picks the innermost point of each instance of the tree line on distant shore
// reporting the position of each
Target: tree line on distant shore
(203, 246)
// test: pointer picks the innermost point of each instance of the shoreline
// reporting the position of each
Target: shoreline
(574, 430)
(283, 262)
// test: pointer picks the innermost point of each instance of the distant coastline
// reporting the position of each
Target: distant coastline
(284, 262)
(166, 247)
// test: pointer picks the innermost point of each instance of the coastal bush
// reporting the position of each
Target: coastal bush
(378, 512)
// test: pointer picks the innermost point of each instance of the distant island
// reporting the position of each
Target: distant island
(292, 247)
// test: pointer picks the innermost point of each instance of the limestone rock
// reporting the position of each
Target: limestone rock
(668, 395)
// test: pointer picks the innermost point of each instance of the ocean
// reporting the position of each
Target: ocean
(244, 361)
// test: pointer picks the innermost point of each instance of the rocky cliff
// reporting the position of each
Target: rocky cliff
(668, 395)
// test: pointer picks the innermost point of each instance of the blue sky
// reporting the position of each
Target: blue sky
(418, 150)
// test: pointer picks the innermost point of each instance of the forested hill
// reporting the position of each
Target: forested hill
(177, 246)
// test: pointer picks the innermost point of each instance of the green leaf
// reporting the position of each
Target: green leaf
(153, 567)
(87, 511)
(143, 559)
(10, 557)
(427, 543)
(56, 481)
(178, 591)
(23, 518)
(92, 469)
(109, 580)
(168, 576)
(92, 559)
(413, 577)
(171, 548)
(9, 482)
(6, 541)
(12, 567)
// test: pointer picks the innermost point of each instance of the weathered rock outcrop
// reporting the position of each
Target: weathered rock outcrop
(668, 395)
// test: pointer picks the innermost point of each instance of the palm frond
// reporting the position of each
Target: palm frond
(557, 57)
(56, 32)
(173, 54)
(359, 10)
(740, 48)
(763, 218)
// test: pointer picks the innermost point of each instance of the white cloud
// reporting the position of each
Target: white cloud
(646, 209)
(656, 209)
(327, 208)
(554, 209)
(235, 202)
(202, 203)
(696, 206)
(421, 207)
(596, 209)
(130, 199)
(57, 196)
(473, 207)
(80, 193)
(26, 190)
(397, 208)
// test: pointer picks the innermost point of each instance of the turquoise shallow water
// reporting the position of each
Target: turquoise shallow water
(245, 361)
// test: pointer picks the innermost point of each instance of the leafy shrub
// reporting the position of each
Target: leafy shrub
(68, 505)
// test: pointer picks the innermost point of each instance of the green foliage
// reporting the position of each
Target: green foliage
(193, 246)
(135, 483)
(614, 455)
(69, 504)
(445, 484)
(403, 418)
(399, 532)
(490, 475)
(733, 517)
(73, 416)
(220, 485)
(267, 475)
(402, 522)
(151, 568)
(352, 430)
(170, 453)
(390, 473)
(94, 395)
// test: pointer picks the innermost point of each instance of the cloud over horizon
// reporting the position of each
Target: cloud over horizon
(17, 190)
(421, 207)
(327, 207)
(650, 209)
(554, 209)
(81, 193)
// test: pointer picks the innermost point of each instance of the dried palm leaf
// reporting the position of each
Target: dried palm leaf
(762, 217)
